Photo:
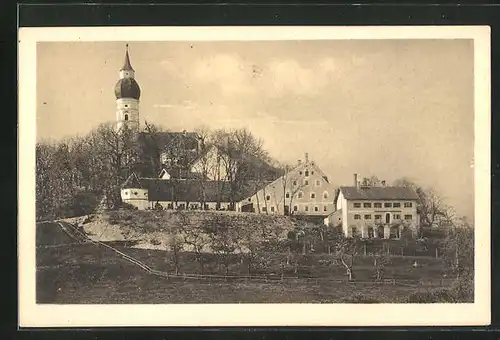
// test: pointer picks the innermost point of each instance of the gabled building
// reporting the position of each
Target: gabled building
(303, 191)
(374, 211)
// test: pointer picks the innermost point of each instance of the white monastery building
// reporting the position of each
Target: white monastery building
(374, 211)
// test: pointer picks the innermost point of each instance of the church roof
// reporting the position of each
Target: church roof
(379, 193)
(127, 66)
(196, 191)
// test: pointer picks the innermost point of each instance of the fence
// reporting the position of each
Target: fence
(82, 238)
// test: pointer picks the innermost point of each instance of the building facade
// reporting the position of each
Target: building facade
(302, 191)
(374, 212)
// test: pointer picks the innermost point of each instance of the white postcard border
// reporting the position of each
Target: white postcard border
(33, 315)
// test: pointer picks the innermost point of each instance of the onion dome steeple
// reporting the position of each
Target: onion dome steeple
(127, 86)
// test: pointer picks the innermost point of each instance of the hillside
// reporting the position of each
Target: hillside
(155, 229)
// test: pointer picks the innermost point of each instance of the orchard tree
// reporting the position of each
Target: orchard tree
(223, 237)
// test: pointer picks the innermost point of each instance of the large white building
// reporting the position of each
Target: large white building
(374, 211)
(302, 191)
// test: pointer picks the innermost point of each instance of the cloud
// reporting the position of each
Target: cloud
(228, 71)
(186, 105)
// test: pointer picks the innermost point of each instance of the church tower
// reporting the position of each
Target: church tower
(127, 93)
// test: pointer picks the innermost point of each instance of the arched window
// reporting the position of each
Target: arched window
(126, 116)
(325, 194)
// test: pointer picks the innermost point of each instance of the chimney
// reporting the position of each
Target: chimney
(356, 183)
(307, 158)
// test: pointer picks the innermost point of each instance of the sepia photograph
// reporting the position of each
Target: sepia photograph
(329, 172)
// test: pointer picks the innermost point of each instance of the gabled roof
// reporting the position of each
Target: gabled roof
(133, 182)
(379, 193)
(196, 190)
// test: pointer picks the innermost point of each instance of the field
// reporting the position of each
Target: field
(68, 272)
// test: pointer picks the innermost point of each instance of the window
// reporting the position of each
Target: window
(318, 182)
(368, 217)
(377, 205)
(146, 194)
(306, 208)
(313, 195)
(316, 209)
(170, 206)
(135, 193)
(357, 205)
(249, 200)
(312, 172)
(126, 116)
(264, 209)
(268, 198)
(367, 205)
(306, 173)
(126, 193)
(294, 182)
(306, 182)
(397, 216)
(287, 195)
(397, 205)
(272, 209)
(325, 194)
(408, 205)
(126, 105)
(357, 217)
(408, 217)
(300, 172)
(300, 194)
(324, 208)
(295, 208)
(387, 205)
(378, 217)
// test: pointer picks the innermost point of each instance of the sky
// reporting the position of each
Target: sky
(388, 108)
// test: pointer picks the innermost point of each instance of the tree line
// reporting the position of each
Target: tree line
(75, 175)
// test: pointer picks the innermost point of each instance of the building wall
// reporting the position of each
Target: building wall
(358, 216)
(303, 190)
(134, 194)
(127, 108)
(192, 205)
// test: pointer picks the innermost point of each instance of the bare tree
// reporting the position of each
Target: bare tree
(223, 237)
(380, 260)
(240, 150)
(432, 209)
(346, 250)
(193, 236)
